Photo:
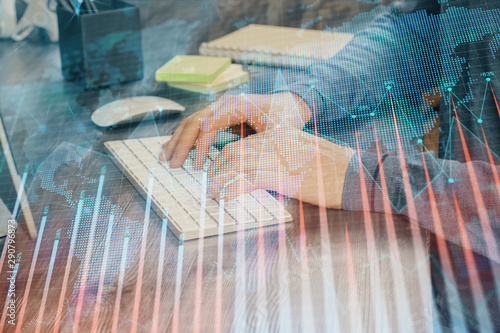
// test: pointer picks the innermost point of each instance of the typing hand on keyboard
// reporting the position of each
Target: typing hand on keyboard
(285, 160)
(260, 112)
(180, 193)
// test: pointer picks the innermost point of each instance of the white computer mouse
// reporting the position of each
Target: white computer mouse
(133, 109)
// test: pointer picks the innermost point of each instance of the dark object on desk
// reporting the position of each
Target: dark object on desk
(102, 48)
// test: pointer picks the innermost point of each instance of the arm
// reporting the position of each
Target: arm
(396, 47)
(303, 166)
(457, 201)
(353, 78)
(403, 48)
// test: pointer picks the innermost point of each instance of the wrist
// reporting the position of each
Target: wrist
(334, 163)
(339, 160)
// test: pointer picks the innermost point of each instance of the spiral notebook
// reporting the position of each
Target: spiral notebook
(277, 46)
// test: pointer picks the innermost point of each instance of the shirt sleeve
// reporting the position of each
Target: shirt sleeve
(394, 51)
(457, 201)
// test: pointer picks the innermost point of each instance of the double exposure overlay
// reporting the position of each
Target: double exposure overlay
(250, 166)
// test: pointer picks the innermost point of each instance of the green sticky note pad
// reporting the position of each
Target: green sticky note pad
(192, 68)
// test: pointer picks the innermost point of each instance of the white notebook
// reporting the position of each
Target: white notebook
(277, 46)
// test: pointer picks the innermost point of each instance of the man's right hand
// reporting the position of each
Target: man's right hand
(260, 112)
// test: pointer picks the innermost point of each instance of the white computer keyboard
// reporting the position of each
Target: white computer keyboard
(180, 194)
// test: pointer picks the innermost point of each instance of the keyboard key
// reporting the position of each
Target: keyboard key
(186, 224)
(214, 211)
(182, 219)
(228, 220)
(238, 212)
(209, 203)
(150, 161)
(208, 222)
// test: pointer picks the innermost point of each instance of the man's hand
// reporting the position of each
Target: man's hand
(260, 112)
(285, 160)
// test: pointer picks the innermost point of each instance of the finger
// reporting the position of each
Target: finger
(231, 185)
(246, 162)
(186, 125)
(168, 147)
(216, 183)
(225, 115)
(280, 182)
(187, 138)
(236, 188)
(210, 127)
(185, 143)
(223, 158)
(203, 144)
(228, 111)
(251, 153)
(230, 154)
(249, 162)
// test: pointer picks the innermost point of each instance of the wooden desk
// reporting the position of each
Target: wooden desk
(306, 276)
(327, 270)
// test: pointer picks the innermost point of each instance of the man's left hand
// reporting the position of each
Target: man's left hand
(286, 160)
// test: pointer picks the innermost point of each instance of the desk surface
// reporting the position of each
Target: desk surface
(327, 269)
